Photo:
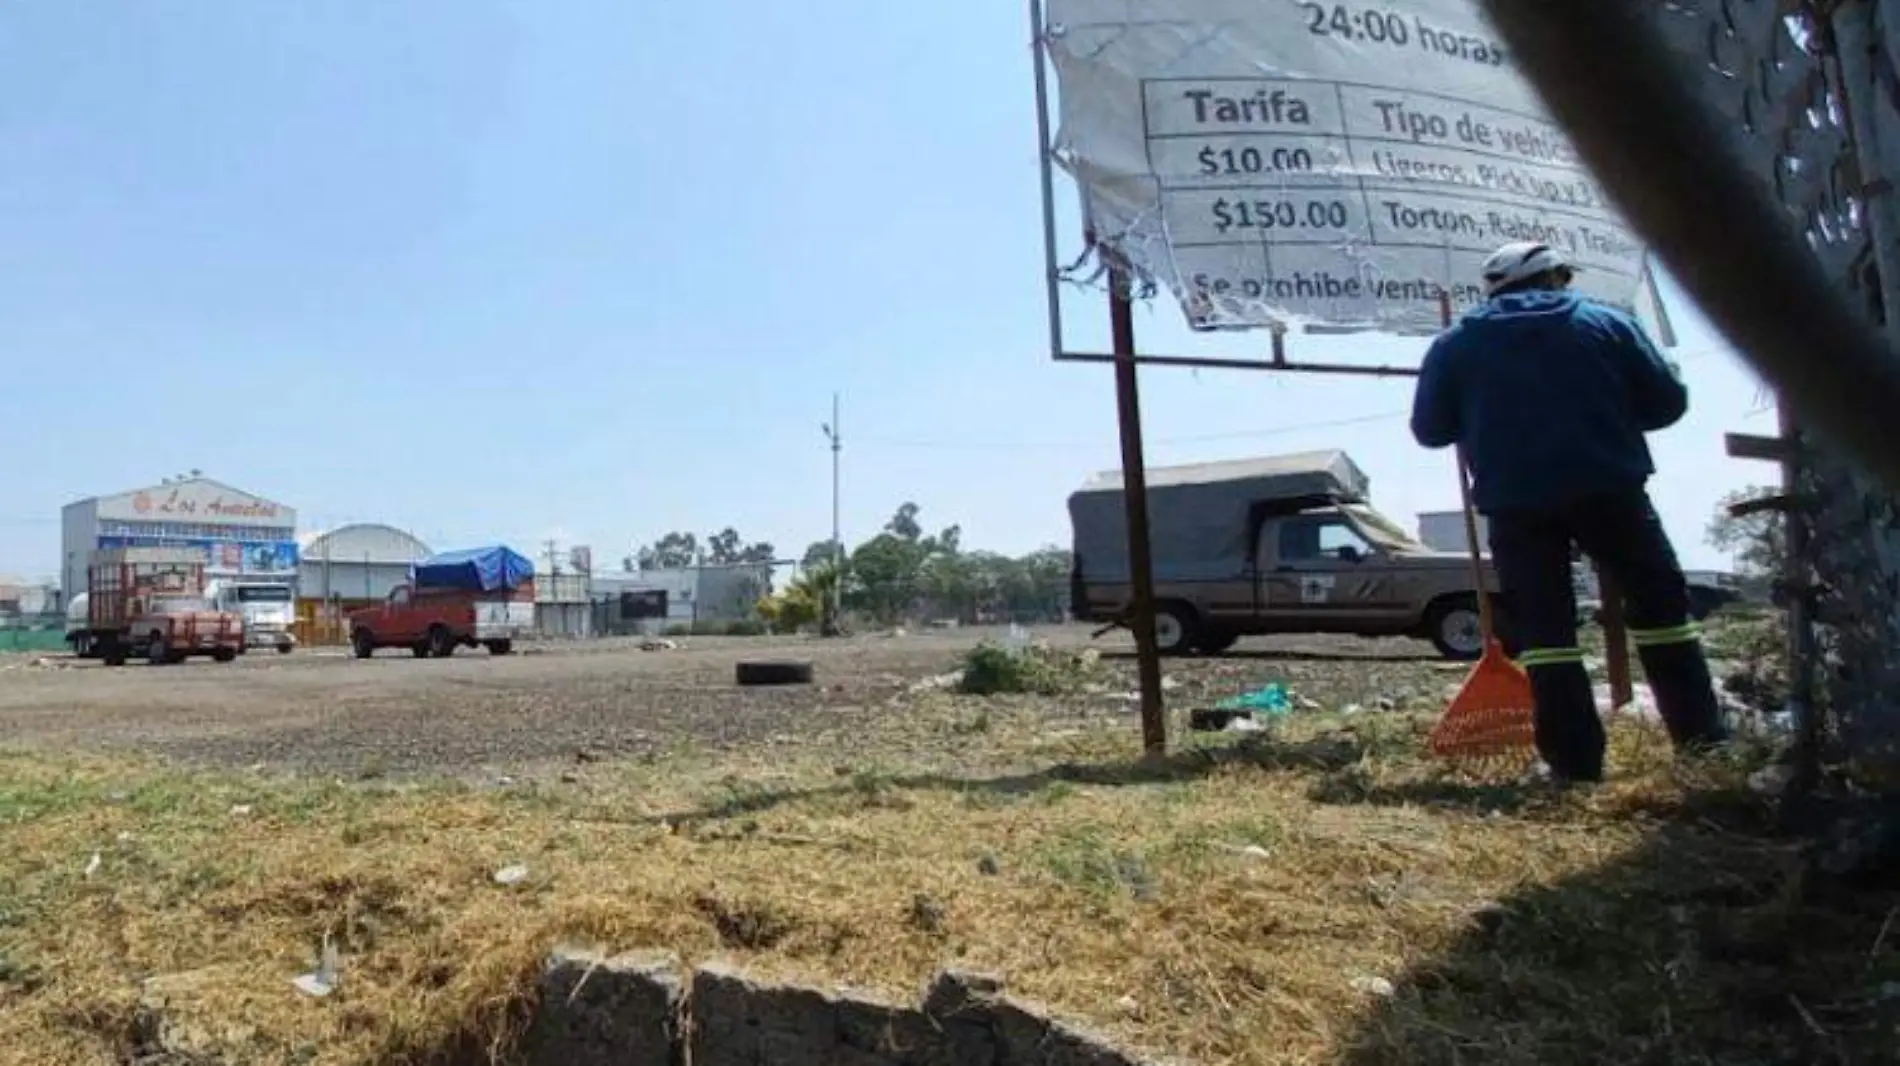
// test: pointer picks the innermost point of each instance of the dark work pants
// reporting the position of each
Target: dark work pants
(1621, 532)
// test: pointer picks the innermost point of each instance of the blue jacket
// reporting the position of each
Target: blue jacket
(1550, 394)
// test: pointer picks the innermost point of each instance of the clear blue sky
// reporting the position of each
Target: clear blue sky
(591, 269)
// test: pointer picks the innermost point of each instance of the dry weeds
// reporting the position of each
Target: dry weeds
(1316, 896)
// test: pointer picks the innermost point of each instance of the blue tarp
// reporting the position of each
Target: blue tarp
(476, 570)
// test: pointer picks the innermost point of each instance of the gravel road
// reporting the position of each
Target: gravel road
(320, 710)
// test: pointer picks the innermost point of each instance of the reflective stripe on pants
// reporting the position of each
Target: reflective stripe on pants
(1687, 633)
(1531, 658)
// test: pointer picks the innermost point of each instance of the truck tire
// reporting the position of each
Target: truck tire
(1176, 628)
(1216, 642)
(285, 649)
(362, 643)
(225, 655)
(113, 651)
(1452, 626)
(441, 643)
(501, 647)
(756, 672)
(159, 651)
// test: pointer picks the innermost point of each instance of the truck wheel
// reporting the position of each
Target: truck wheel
(225, 655)
(1216, 643)
(362, 643)
(113, 652)
(441, 642)
(501, 647)
(1452, 625)
(159, 651)
(284, 649)
(1175, 628)
(420, 650)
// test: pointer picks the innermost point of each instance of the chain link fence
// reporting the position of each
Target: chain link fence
(1811, 92)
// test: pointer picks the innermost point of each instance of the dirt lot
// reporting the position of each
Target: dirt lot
(177, 844)
(322, 710)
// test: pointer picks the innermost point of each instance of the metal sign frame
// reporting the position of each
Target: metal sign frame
(1126, 358)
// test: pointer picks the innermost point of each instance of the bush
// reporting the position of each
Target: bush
(745, 629)
(991, 669)
(1756, 647)
(678, 629)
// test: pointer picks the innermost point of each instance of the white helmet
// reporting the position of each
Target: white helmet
(1517, 261)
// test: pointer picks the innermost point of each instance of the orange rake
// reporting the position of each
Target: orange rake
(1491, 717)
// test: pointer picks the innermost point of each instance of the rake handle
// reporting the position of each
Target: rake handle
(1486, 623)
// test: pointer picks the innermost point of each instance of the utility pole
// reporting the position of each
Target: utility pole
(834, 433)
(554, 557)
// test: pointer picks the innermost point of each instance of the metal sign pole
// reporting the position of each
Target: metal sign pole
(1121, 319)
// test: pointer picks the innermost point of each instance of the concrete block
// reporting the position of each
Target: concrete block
(955, 992)
(607, 1011)
(908, 1037)
(1028, 1038)
(741, 1022)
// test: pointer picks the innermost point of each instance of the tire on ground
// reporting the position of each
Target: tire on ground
(755, 672)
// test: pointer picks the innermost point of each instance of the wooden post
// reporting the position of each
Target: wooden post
(1616, 645)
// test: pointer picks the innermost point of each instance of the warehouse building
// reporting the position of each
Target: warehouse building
(347, 568)
(241, 535)
(1445, 531)
(651, 601)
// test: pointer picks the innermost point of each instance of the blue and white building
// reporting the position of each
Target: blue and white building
(241, 535)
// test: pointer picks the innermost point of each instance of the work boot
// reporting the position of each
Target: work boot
(1569, 734)
(1685, 694)
(1543, 778)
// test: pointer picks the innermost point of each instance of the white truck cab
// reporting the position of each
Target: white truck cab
(269, 610)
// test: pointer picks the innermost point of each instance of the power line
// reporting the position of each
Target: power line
(1278, 431)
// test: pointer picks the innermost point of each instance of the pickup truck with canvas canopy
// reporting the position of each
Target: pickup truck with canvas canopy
(481, 597)
(1288, 544)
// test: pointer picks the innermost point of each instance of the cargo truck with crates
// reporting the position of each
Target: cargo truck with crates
(149, 603)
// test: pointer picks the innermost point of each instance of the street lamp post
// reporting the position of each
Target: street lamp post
(836, 606)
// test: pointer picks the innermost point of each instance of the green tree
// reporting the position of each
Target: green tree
(884, 577)
(1759, 541)
(904, 525)
(727, 548)
(675, 551)
(1045, 579)
(821, 553)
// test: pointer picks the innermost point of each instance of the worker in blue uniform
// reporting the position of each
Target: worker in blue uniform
(1550, 396)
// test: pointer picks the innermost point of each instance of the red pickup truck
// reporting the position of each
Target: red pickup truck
(482, 597)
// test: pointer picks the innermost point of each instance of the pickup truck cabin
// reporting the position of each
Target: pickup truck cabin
(1287, 544)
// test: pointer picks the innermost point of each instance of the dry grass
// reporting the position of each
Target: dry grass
(1230, 906)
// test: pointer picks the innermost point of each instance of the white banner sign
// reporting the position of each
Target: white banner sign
(1281, 161)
